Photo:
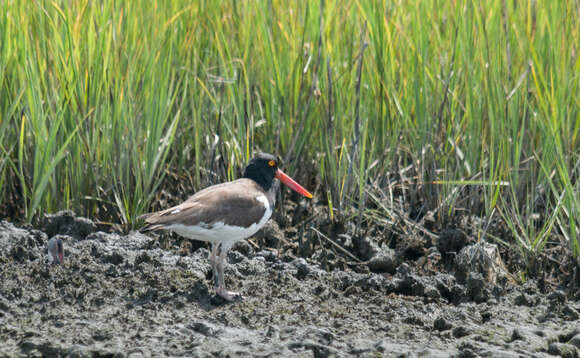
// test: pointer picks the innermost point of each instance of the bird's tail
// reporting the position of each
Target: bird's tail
(148, 227)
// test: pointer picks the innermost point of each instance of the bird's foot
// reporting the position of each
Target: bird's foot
(227, 295)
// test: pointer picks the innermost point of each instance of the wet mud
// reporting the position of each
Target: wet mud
(140, 296)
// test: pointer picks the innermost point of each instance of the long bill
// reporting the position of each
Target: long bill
(292, 184)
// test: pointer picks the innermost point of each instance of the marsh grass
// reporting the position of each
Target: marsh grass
(402, 108)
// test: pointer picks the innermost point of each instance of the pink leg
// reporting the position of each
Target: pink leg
(221, 287)
(213, 261)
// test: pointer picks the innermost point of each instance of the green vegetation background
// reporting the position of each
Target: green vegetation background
(470, 107)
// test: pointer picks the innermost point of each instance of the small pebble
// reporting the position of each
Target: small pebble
(441, 324)
(523, 300)
(563, 350)
(575, 341)
(557, 296)
(460, 331)
(571, 313)
(517, 335)
(55, 251)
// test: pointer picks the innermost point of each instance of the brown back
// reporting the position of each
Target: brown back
(233, 203)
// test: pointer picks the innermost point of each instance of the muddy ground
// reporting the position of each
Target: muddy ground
(141, 296)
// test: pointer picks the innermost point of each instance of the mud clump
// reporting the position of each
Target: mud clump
(130, 296)
(67, 223)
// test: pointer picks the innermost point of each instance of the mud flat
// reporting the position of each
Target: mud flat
(138, 296)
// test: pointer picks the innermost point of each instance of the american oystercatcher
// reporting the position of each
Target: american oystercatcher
(225, 213)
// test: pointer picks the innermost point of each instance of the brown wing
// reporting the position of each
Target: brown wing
(232, 203)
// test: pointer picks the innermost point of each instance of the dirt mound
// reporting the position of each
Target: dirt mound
(139, 296)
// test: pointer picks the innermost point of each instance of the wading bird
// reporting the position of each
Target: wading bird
(225, 213)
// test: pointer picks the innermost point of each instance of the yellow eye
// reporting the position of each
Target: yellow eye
(272, 163)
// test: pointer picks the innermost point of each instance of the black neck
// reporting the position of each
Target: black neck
(265, 181)
(259, 177)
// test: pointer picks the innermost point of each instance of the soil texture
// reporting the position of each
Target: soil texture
(139, 296)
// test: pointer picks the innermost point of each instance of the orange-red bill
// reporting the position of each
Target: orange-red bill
(292, 184)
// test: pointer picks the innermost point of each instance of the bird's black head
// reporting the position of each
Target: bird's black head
(262, 169)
